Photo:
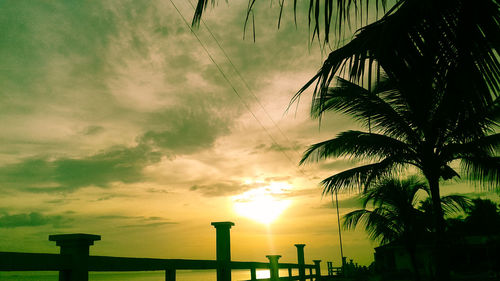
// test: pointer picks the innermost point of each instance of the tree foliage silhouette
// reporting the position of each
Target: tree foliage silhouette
(391, 213)
(405, 131)
(483, 218)
(441, 58)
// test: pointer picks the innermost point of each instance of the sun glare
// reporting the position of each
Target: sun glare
(264, 204)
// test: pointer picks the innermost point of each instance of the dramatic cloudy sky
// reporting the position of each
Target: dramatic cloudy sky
(114, 121)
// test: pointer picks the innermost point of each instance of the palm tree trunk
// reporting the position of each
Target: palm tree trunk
(441, 262)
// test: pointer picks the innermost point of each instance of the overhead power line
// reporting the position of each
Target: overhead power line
(240, 76)
(226, 78)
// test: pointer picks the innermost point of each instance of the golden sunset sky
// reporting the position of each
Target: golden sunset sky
(114, 121)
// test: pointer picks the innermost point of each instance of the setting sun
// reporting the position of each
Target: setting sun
(264, 204)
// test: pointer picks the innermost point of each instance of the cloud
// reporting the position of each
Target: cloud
(279, 179)
(66, 174)
(30, 220)
(38, 42)
(177, 131)
(137, 221)
(347, 203)
(187, 130)
(222, 188)
(307, 192)
(92, 130)
(153, 224)
(157, 190)
(279, 147)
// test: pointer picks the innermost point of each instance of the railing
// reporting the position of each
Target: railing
(74, 261)
(333, 271)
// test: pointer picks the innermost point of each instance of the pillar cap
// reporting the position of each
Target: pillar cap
(78, 238)
(300, 245)
(223, 223)
(273, 256)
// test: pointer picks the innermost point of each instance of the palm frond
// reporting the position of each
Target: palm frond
(462, 121)
(361, 177)
(201, 6)
(451, 204)
(399, 194)
(352, 219)
(482, 169)
(455, 204)
(376, 223)
(360, 145)
(382, 109)
(323, 16)
(451, 50)
(485, 146)
(381, 224)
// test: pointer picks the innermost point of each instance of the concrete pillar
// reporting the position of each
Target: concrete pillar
(170, 274)
(317, 265)
(301, 262)
(273, 267)
(223, 249)
(76, 247)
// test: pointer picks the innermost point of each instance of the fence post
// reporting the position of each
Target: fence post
(330, 268)
(170, 274)
(273, 267)
(76, 247)
(301, 262)
(317, 265)
(223, 249)
(253, 274)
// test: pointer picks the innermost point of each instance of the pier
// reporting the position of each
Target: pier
(74, 261)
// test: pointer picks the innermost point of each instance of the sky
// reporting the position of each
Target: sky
(115, 121)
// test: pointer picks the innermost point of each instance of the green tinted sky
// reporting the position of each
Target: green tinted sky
(115, 122)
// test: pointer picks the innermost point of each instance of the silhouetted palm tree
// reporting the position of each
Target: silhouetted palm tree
(442, 57)
(394, 216)
(404, 131)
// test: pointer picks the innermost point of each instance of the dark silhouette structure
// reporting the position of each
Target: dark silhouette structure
(77, 247)
(74, 261)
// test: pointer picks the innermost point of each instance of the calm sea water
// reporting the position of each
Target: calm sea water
(182, 275)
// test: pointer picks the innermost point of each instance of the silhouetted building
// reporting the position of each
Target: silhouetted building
(470, 254)
(393, 258)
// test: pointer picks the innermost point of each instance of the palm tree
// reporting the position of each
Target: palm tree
(395, 216)
(404, 131)
(442, 59)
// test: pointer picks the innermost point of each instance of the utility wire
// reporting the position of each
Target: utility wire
(229, 82)
(245, 82)
(258, 101)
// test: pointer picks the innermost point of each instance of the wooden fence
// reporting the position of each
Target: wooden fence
(74, 261)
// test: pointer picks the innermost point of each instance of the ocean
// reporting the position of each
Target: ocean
(182, 275)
